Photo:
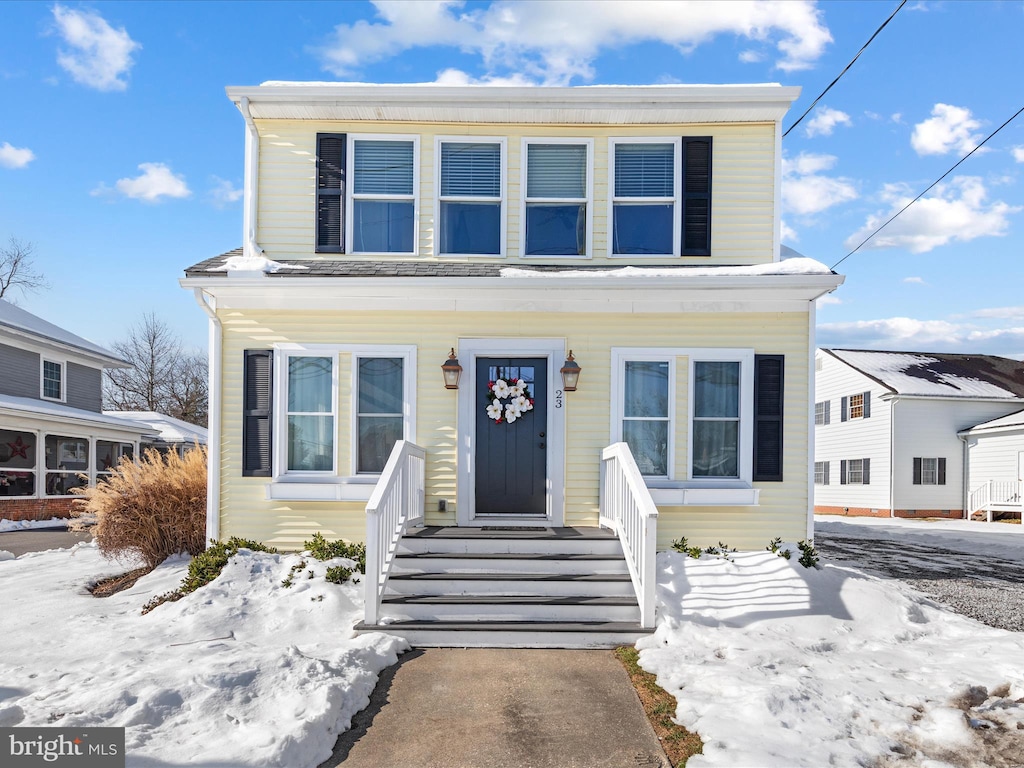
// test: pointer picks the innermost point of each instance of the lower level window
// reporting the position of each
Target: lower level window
(645, 415)
(109, 455)
(929, 471)
(380, 410)
(821, 473)
(716, 419)
(856, 472)
(67, 464)
(17, 463)
(310, 402)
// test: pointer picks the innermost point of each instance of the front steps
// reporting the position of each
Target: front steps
(510, 588)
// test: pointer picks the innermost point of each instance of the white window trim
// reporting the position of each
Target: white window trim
(619, 359)
(849, 406)
(934, 470)
(90, 471)
(849, 472)
(745, 357)
(676, 200)
(523, 163)
(63, 379)
(350, 194)
(824, 474)
(502, 141)
(823, 411)
(325, 485)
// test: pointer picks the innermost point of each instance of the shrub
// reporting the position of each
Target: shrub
(322, 549)
(338, 574)
(722, 550)
(775, 545)
(151, 508)
(808, 554)
(683, 547)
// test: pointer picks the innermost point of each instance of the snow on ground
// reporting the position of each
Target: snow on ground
(243, 672)
(777, 665)
(24, 525)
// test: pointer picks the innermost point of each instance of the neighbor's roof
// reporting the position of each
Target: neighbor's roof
(938, 374)
(1002, 424)
(57, 412)
(171, 430)
(21, 322)
(600, 104)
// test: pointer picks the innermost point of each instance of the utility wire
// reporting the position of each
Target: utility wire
(863, 47)
(901, 210)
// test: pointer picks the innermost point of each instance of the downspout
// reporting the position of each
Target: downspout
(208, 306)
(252, 166)
(965, 488)
(892, 457)
(811, 311)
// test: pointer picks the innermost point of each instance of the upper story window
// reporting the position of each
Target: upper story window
(557, 204)
(856, 406)
(52, 380)
(644, 217)
(716, 419)
(821, 412)
(383, 203)
(471, 210)
(310, 414)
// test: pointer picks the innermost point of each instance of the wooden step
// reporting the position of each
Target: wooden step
(512, 634)
(508, 562)
(541, 584)
(529, 608)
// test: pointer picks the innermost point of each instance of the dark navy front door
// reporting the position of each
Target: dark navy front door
(511, 458)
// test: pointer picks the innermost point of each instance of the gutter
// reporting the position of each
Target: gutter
(251, 190)
(213, 433)
(965, 490)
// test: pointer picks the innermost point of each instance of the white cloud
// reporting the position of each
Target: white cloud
(15, 157)
(553, 41)
(155, 182)
(223, 193)
(1018, 154)
(453, 76)
(825, 121)
(805, 191)
(97, 55)
(872, 115)
(916, 280)
(788, 233)
(751, 57)
(949, 128)
(827, 299)
(955, 211)
(910, 334)
(897, 117)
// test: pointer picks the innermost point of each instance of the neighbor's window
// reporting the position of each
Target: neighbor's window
(470, 198)
(67, 464)
(557, 199)
(855, 472)
(53, 380)
(108, 456)
(821, 412)
(17, 463)
(821, 473)
(383, 196)
(857, 406)
(644, 200)
(310, 414)
(716, 419)
(929, 471)
(645, 414)
(379, 414)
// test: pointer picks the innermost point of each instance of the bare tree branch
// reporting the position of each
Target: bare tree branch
(16, 269)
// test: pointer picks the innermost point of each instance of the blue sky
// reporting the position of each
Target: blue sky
(121, 157)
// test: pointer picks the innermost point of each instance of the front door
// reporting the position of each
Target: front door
(511, 458)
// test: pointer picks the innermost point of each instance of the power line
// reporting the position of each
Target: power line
(863, 47)
(901, 210)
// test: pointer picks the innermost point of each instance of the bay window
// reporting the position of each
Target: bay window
(470, 191)
(557, 209)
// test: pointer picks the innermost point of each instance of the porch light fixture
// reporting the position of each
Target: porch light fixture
(570, 373)
(452, 371)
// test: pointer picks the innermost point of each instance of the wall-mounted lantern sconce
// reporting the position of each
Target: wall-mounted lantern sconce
(452, 371)
(570, 373)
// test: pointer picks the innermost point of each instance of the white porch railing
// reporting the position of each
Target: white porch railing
(995, 493)
(628, 509)
(395, 504)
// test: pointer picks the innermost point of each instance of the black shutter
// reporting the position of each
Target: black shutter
(696, 197)
(842, 472)
(845, 409)
(867, 404)
(942, 471)
(330, 193)
(768, 395)
(867, 471)
(828, 465)
(917, 471)
(828, 408)
(257, 412)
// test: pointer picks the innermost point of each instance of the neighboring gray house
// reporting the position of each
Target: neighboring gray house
(174, 434)
(994, 456)
(53, 433)
(886, 428)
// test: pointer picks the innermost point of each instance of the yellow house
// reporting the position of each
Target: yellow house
(499, 331)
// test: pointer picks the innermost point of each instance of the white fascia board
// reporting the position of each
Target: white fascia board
(106, 425)
(45, 346)
(952, 398)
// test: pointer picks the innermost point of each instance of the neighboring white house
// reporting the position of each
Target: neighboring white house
(886, 428)
(994, 455)
(175, 434)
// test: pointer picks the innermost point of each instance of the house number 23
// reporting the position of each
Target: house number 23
(558, 398)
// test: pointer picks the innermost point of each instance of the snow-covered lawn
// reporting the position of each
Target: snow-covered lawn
(25, 525)
(777, 665)
(243, 672)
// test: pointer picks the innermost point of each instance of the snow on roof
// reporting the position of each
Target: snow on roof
(22, 320)
(939, 374)
(252, 265)
(794, 266)
(171, 430)
(1003, 422)
(51, 411)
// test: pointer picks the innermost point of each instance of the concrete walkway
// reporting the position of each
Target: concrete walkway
(499, 708)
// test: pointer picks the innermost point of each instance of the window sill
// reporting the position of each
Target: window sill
(740, 495)
(342, 489)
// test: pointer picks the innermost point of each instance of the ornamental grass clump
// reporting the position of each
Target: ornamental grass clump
(151, 508)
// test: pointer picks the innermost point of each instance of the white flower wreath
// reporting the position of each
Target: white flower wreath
(518, 396)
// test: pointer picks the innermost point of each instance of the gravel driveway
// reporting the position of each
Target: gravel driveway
(988, 589)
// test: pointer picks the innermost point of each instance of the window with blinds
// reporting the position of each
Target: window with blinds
(557, 198)
(383, 196)
(644, 202)
(470, 198)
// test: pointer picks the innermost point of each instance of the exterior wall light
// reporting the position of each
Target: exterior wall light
(570, 373)
(452, 371)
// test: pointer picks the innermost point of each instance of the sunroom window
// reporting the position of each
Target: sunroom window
(67, 464)
(645, 414)
(470, 198)
(716, 419)
(109, 455)
(644, 218)
(310, 414)
(383, 196)
(380, 410)
(557, 199)
(17, 463)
